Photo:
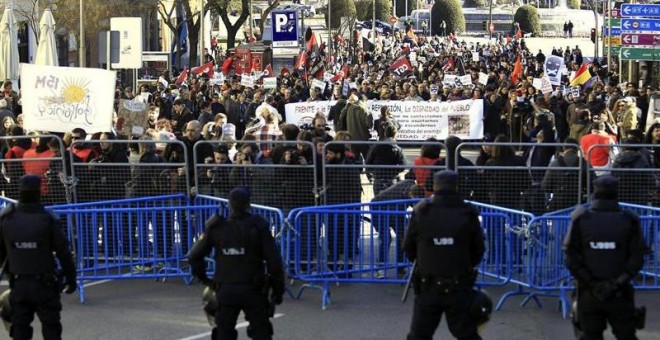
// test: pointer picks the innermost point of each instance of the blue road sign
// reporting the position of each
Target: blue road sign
(650, 25)
(615, 32)
(640, 10)
(285, 28)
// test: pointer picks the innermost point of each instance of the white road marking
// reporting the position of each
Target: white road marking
(238, 326)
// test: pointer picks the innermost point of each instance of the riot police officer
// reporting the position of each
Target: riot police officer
(447, 253)
(243, 243)
(29, 235)
(604, 250)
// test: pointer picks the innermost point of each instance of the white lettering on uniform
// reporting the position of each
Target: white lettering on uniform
(443, 241)
(25, 245)
(233, 251)
(602, 245)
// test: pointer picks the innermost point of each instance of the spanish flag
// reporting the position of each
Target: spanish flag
(581, 76)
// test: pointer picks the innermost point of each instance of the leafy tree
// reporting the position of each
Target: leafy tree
(341, 8)
(474, 3)
(451, 12)
(529, 19)
(574, 4)
(365, 10)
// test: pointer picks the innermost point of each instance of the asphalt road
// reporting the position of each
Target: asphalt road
(145, 309)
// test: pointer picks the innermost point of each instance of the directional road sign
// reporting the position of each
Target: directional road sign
(640, 10)
(637, 39)
(616, 22)
(629, 53)
(615, 32)
(640, 25)
(615, 41)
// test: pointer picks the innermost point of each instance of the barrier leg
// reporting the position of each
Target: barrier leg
(519, 291)
(530, 296)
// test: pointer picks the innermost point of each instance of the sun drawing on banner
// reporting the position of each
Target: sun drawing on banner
(74, 90)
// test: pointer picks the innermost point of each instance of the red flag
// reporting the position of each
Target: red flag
(226, 65)
(302, 59)
(339, 76)
(206, 68)
(517, 71)
(309, 46)
(345, 70)
(401, 67)
(182, 77)
(268, 71)
(449, 65)
(519, 34)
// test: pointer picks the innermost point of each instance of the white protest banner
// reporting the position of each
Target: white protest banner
(218, 78)
(546, 85)
(320, 84)
(60, 99)
(352, 85)
(132, 118)
(449, 79)
(537, 83)
(270, 82)
(483, 78)
(475, 56)
(419, 120)
(247, 81)
(466, 79)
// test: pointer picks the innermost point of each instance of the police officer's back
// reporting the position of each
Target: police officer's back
(242, 243)
(29, 234)
(604, 250)
(445, 238)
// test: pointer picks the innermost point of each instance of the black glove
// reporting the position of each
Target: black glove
(604, 290)
(70, 285)
(276, 298)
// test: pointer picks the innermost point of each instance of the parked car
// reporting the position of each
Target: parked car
(382, 27)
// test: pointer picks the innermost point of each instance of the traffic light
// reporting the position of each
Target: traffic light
(484, 26)
(593, 35)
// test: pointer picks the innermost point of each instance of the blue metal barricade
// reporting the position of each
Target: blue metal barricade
(128, 239)
(362, 243)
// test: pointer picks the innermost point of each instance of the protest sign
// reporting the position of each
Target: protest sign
(419, 120)
(247, 81)
(483, 78)
(60, 99)
(270, 82)
(132, 118)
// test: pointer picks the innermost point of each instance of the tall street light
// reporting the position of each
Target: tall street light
(82, 51)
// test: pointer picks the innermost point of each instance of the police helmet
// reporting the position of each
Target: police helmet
(5, 309)
(481, 307)
(210, 305)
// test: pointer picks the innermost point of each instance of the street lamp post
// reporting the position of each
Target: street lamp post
(82, 51)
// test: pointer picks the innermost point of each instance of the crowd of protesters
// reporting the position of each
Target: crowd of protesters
(237, 125)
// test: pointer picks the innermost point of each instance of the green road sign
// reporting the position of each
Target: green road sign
(615, 23)
(628, 53)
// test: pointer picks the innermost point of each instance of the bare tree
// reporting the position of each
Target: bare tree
(222, 8)
(31, 12)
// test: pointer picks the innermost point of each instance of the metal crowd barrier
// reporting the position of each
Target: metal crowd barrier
(280, 174)
(129, 239)
(522, 176)
(639, 179)
(363, 243)
(45, 157)
(365, 169)
(125, 169)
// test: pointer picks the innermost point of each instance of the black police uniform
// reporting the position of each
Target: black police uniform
(29, 234)
(242, 243)
(604, 250)
(444, 227)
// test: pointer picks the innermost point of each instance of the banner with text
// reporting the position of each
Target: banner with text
(60, 99)
(419, 120)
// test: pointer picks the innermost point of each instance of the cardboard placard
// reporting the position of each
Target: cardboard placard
(270, 82)
(132, 118)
